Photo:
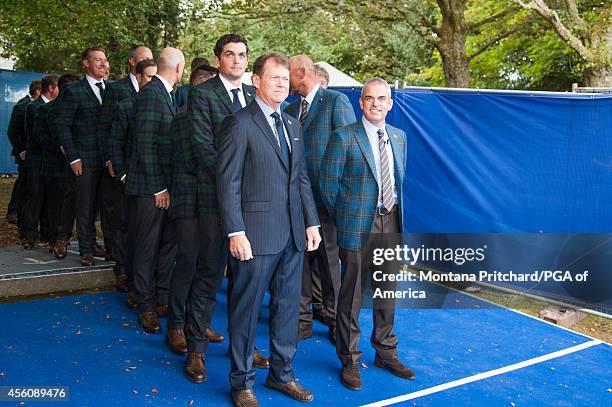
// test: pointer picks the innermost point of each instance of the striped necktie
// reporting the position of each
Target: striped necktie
(386, 186)
(303, 111)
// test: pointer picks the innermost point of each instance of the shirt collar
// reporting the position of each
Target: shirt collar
(310, 97)
(134, 81)
(265, 108)
(370, 128)
(92, 82)
(228, 85)
(44, 99)
(168, 87)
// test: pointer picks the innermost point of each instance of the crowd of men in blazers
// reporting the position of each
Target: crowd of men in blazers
(219, 178)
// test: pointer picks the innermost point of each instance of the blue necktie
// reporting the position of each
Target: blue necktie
(236, 102)
(280, 131)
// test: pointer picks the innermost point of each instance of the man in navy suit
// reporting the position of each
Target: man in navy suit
(270, 218)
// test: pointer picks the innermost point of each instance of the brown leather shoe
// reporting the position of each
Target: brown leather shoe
(195, 369)
(162, 311)
(175, 339)
(259, 361)
(304, 332)
(350, 377)
(99, 251)
(60, 249)
(292, 389)
(149, 322)
(396, 367)
(28, 244)
(244, 398)
(121, 283)
(87, 260)
(132, 300)
(109, 257)
(213, 336)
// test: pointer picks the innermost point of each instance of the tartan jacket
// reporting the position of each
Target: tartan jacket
(183, 201)
(45, 135)
(348, 182)
(78, 124)
(16, 128)
(329, 111)
(115, 92)
(208, 105)
(118, 139)
(150, 164)
(34, 152)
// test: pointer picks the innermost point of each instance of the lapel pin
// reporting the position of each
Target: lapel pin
(289, 121)
(296, 139)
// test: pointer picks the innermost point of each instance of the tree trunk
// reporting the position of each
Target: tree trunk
(600, 75)
(451, 45)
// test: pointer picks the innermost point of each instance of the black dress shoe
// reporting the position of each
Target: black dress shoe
(195, 369)
(259, 361)
(28, 244)
(304, 332)
(292, 389)
(244, 398)
(351, 378)
(331, 334)
(395, 366)
(149, 322)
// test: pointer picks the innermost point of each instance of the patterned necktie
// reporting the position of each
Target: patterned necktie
(386, 186)
(101, 87)
(236, 100)
(303, 111)
(280, 132)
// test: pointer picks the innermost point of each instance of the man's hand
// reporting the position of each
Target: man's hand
(22, 155)
(77, 168)
(240, 247)
(313, 238)
(110, 169)
(162, 201)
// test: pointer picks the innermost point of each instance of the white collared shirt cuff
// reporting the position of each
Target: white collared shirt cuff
(161, 192)
(123, 178)
(75, 161)
(241, 233)
(106, 164)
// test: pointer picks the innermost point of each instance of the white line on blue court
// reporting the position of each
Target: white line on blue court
(483, 375)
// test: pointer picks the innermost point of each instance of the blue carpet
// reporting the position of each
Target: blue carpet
(93, 345)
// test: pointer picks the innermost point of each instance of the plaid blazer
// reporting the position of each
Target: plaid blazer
(329, 111)
(208, 105)
(16, 128)
(119, 140)
(34, 152)
(45, 135)
(115, 92)
(183, 201)
(78, 124)
(348, 182)
(150, 164)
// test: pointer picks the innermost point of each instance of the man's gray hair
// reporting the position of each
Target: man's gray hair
(380, 81)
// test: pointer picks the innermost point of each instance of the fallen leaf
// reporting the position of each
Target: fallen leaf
(153, 390)
(134, 391)
(364, 365)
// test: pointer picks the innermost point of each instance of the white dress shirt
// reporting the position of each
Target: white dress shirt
(372, 132)
(229, 86)
(310, 97)
(134, 81)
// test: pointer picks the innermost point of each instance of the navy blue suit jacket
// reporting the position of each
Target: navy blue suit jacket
(257, 191)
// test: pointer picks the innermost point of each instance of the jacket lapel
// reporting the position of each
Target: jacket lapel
(263, 125)
(317, 102)
(397, 146)
(222, 94)
(164, 94)
(249, 94)
(89, 90)
(366, 148)
(288, 121)
(130, 85)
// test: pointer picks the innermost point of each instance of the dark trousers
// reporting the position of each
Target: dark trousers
(356, 271)
(34, 209)
(87, 188)
(114, 223)
(17, 193)
(198, 274)
(152, 248)
(281, 274)
(323, 264)
(60, 207)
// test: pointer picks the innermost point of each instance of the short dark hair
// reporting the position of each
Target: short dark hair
(144, 64)
(280, 59)
(202, 74)
(89, 50)
(226, 39)
(47, 81)
(66, 79)
(34, 86)
(199, 61)
(133, 49)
